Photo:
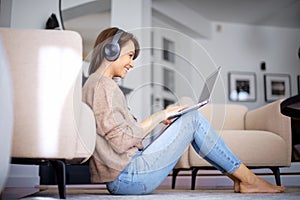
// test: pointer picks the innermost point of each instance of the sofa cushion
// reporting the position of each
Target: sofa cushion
(225, 116)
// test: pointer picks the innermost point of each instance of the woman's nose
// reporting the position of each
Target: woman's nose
(131, 64)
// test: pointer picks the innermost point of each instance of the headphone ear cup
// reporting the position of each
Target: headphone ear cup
(111, 51)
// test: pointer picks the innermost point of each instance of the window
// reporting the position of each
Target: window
(169, 82)
(168, 49)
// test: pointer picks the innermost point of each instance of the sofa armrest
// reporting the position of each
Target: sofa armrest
(269, 118)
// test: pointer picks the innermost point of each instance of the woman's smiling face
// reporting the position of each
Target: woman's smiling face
(124, 63)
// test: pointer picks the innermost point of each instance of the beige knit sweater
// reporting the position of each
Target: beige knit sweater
(119, 136)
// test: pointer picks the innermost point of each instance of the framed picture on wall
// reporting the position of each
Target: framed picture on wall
(242, 86)
(277, 86)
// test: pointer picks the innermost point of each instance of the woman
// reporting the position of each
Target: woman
(119, 159)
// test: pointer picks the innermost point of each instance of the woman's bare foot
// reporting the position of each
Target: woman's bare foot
(250, 183)
(260, 186)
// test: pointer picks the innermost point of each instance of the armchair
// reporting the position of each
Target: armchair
(261, 138)
(51, 123)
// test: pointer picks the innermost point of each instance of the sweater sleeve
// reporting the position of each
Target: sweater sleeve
(114, 122)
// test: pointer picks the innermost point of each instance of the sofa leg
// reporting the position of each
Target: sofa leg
(276, 172)
(174, 175)
(194, 176)
(60, 170)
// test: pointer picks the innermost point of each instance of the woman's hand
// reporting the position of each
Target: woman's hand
(159, 117)
(170, 111)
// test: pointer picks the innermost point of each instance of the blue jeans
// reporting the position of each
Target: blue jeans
(149, 167)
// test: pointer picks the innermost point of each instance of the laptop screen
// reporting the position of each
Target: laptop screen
(209, 86)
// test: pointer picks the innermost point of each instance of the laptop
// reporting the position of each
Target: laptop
(203, 100)
(204, 96)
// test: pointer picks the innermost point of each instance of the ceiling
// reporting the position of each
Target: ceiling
(279, 13)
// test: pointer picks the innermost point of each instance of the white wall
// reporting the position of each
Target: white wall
(192, 62)
(238, 47)
(29, 14)
(135, 19)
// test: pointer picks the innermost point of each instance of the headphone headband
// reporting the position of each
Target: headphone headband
(117, 36)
